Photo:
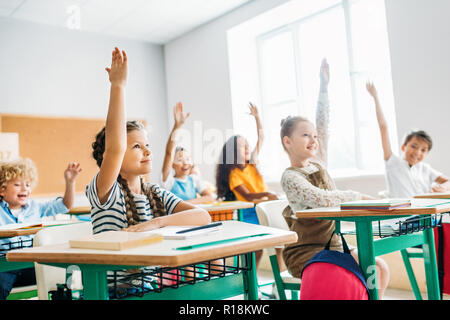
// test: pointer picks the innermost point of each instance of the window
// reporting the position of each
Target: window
(352, 36)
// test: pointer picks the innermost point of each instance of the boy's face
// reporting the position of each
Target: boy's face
(415, 150)
(16, 192)
(182, 164)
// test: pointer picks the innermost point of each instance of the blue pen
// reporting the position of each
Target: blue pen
(211, 225)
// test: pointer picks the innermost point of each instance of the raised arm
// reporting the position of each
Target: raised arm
(382, 124)
(322, 112)
(179, 119)
(255, 152)
(115, 131)
(70, 176)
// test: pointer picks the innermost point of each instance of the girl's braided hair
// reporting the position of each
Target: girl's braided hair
(156, 203)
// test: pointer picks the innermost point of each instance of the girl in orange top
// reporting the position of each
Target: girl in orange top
(237, 177)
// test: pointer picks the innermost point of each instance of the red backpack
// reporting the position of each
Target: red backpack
(442, 243)
(333, 275)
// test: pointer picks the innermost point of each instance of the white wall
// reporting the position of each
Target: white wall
(58, 72)
(197, 73)
(419, 31)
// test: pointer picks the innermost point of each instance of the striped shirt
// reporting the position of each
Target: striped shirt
(111, 215)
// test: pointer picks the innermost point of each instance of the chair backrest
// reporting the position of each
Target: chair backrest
(46, 276)
(270, 213)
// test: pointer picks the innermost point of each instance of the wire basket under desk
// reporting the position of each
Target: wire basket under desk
(403, 226)
(13, 245)
(137, 282)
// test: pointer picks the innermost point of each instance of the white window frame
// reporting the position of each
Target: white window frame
(353, 74)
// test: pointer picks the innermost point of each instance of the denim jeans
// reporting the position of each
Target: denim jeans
(16, 278)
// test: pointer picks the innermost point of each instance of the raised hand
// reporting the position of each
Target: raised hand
(71, 172)
(253, 110)
(324, 74)
(371, 89)
(119, 67)
(179, 116)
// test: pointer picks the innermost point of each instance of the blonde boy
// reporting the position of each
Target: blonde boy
(17, 179)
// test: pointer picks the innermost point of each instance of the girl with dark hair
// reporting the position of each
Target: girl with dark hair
(119, 197)
(238, 178)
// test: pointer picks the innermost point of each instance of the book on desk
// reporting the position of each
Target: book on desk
(383, 204)
(115, 240)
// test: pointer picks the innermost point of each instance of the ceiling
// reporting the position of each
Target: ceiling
(156, 21)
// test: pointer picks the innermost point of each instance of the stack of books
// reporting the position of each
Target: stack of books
(380, 205)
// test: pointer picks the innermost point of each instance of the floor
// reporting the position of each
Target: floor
(265, 279)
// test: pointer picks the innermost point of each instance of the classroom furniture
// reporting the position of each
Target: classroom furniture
(235, 238)
(270, 214)
(29, 291)
(433, 195)
(82, 213)
(48, 277)
(17, 293)
(408, 255)
(368, 248)
(223, 210)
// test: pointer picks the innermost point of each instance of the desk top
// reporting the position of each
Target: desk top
(210, 207)
(14, 230)
(225, 205)
(80, 210)
(418, 206)
(434, 195)
(164, 253)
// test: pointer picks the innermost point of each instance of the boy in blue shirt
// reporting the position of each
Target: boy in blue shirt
(177, 176)
(17, 179)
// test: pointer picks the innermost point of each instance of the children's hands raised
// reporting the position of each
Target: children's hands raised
(371, 89)
(179, 116)
(253, 110)
(119, 68)
(71, 172)
(324, 73)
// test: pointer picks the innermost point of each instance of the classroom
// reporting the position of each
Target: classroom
(204, 76)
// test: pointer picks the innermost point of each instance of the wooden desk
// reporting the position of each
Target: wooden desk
(368, 248)
(434, 195)
(95, 263)
(29, 231)
(80, 210)
(8, 266)
(221, 206)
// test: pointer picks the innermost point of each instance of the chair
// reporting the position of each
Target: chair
(47, 276)
(270, 214)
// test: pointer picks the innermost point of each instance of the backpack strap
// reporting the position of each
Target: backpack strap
(440, 258)
(344, 243)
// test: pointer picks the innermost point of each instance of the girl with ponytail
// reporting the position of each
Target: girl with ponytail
(119, 197)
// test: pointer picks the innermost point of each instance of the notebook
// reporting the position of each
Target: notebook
(116, 240)
(170, 232)
(383, 204)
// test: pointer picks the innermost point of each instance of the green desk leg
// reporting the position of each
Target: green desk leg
(429, 257)
(250, 280)
(240, 215)
(366, 256)
(95, 284)
(411, 276)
